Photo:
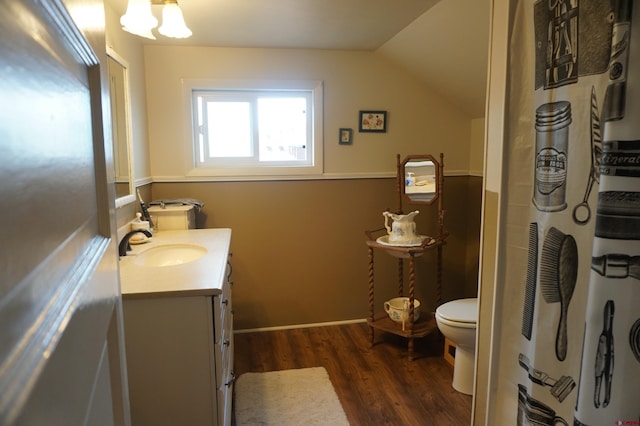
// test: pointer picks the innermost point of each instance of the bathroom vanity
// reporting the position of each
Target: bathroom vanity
(178, 321)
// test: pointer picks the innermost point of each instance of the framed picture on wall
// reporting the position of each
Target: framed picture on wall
(373, 121)
(345, 137)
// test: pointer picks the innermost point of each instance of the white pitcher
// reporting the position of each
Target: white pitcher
(403, 228)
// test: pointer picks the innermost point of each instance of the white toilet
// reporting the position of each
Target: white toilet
(457, 322)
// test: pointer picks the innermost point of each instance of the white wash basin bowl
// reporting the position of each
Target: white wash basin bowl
(170, 255)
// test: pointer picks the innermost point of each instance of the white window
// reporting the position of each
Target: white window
(256, 128)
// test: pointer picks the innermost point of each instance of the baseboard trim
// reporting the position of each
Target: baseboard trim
(290, 327)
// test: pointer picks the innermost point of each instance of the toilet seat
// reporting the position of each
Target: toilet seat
(459, 313)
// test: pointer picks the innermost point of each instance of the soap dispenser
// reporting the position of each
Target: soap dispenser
(138, 223)
(410, 179)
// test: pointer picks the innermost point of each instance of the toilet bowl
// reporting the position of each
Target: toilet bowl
(456, 320)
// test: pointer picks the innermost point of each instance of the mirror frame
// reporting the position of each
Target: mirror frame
(437, 177)
(130, 197)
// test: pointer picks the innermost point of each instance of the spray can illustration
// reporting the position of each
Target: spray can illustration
(552, 137)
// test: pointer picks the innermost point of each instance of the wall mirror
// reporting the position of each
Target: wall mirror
(419, 177)
(121, 127)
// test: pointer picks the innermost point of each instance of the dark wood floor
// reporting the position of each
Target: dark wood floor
(376, 385)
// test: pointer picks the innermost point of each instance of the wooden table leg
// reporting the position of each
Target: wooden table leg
(412, 276)
(400, 278)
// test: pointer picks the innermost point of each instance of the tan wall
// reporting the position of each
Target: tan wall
(476, 147)
(419, 121)
(299, 253)
(470, 204)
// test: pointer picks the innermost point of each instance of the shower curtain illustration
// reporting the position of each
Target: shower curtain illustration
(569, 339)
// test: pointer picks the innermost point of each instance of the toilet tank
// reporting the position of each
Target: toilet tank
(173, 217)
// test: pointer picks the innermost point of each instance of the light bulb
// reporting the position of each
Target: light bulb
(138, 19)
(173, 24)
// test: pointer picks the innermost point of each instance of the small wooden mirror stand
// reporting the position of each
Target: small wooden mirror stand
(420, 181)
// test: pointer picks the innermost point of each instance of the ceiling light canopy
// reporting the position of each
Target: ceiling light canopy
(140, 21)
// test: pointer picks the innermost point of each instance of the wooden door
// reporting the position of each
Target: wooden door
(61, 352)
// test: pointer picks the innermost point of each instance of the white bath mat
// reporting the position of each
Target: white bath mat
(302, 396)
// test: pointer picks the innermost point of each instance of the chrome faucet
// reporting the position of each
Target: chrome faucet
(124, 246)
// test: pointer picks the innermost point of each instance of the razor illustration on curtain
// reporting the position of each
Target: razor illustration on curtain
(560, 388)
(609, 378)
(604, 358)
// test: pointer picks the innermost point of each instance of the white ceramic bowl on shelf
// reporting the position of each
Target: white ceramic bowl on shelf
(398, 309)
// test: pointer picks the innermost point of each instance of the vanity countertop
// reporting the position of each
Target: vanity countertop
(203, 276)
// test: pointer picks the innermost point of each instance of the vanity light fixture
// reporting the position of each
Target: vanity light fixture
(140, 21)
(173, 24)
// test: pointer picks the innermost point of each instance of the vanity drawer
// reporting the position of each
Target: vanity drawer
(222, 303)
(225, 399)
(221, 313)
(224, 358)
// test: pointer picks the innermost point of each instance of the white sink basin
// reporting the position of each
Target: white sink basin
(170, 255)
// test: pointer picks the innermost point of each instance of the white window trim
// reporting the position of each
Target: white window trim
(188, 85)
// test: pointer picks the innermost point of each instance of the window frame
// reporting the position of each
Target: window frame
(267, 170)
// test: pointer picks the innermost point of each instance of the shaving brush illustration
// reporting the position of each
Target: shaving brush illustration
(617, 266)
(558, 275)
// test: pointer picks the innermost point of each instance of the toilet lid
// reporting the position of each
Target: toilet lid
(462, 310)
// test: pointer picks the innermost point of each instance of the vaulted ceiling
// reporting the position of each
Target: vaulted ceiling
(444, 42)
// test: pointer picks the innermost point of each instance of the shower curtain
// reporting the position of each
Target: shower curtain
(568, 306)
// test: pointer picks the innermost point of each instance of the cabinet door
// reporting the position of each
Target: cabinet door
(221, 308)
(170, 360)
